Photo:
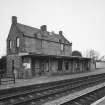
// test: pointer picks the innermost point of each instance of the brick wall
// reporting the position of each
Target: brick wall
(17, 64)
(46, 47)
(32, 45)
(19, 69)
(51, 48)
(13, 34)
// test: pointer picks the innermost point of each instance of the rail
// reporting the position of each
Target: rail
(87, 99)
(39, 94)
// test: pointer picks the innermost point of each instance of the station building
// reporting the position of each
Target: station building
(34, 52)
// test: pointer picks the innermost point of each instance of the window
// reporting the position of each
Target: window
(17, 42)
(10, 44)
(60, 40)
(62, 47)
(35, 35)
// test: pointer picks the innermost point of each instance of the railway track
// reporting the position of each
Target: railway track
(87, 99)
(41, 93)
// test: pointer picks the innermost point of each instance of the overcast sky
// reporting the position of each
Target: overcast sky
(82, 21)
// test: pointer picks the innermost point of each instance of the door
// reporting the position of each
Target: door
(33, 67)
(59, 65)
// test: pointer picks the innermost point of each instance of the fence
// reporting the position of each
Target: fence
(7, 78)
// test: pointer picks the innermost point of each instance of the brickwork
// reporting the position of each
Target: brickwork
(17, 64)
(51, 48)
(12, 37)
(13, 34)
(46, 47)
(32, 42)
(31, 45)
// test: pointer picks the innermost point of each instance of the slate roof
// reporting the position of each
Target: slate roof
(31, 31)
(27, 30)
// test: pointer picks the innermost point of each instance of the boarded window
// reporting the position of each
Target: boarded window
(62, 47)
(27, 65)
(17, 42)
(10, 44)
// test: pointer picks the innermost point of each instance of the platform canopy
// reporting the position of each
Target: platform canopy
(54, 56)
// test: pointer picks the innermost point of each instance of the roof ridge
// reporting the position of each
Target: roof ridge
(28, 26)
(31, 31)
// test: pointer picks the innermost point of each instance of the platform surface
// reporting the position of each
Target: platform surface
(45, 79)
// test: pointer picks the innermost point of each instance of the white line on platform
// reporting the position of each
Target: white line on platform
(98, 101)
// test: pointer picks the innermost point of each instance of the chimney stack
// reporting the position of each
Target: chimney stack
(60, 33)
(14, 19)
(43, 28)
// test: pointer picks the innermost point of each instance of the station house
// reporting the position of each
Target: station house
(35, 52)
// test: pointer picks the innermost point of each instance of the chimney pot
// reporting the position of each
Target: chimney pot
(43, 28)
(60, 33)
(14, 19)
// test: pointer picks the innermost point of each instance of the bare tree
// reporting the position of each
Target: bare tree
(102, 58)
(92, 54)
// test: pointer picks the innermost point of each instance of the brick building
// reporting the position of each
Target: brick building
(33, 52)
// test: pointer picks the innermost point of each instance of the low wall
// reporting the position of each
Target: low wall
(100, 65)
